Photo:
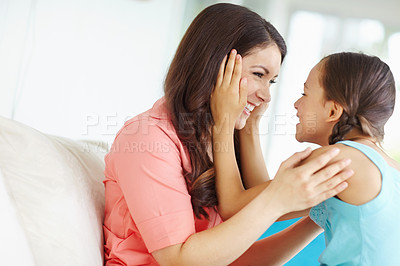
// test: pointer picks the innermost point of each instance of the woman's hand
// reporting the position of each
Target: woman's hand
(229, 96)
(300, 186)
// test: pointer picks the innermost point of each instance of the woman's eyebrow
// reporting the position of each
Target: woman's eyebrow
(305, 86)
(263, 67)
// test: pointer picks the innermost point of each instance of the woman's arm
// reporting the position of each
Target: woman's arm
(281, 247)
(293, 188)
(223, 244)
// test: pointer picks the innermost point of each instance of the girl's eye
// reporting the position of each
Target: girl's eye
(273, 81)
(258, 74)
(303, 94)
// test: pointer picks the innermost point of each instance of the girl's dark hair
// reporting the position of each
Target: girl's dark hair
(364, 86)
(192, 74)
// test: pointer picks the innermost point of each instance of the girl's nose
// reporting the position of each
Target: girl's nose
(296, 104)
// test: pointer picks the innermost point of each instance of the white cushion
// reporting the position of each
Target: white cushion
(55, 196)
(14, 247)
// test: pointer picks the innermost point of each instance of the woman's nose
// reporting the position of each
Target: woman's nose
(264, 94)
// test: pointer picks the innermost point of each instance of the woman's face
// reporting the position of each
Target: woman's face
(313, 111)
(261, 68)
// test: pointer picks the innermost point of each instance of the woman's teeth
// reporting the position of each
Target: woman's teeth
(248, 108)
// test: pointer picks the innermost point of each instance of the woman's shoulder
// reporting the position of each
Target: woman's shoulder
(151, 124)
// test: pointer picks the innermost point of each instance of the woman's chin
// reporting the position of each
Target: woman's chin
(240, 123)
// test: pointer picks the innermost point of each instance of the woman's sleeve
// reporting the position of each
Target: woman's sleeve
(148, 167)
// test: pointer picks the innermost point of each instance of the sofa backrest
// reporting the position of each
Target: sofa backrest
(55, 197)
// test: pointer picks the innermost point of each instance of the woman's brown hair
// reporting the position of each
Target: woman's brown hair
(364, 86)
(192, 74)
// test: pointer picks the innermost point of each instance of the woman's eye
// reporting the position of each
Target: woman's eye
(273, 81)
(258, 74)
(303, 94)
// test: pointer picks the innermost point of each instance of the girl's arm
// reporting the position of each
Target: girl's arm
(226, 242)
(366, 182)
(226, 105)
(252, 163)
(253, 170)
(232, 196)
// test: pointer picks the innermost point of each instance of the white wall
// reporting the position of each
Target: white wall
(79, 68)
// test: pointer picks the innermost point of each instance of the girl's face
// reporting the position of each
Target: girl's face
(313, 111)
(261, 68)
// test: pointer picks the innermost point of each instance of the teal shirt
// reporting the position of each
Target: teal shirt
(368, 234)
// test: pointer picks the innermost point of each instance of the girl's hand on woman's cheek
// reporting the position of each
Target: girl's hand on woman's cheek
(255, 116)
(229, 96)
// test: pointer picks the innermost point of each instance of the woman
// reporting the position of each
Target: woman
(160, 183)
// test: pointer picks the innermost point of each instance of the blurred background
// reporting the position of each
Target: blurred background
(81, 68)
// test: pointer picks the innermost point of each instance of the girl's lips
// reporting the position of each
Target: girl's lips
(297, 119)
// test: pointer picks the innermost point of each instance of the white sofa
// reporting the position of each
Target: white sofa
(51, 198)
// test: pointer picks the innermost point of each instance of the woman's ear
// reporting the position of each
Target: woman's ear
(335, 111)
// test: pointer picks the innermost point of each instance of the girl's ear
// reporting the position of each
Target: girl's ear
(335, 111)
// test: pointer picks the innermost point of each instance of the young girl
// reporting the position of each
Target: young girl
(350, 97)
(347, 100)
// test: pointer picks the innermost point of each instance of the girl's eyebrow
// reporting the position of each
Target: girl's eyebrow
(305, 86)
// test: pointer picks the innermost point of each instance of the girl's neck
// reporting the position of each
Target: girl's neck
(355, 135)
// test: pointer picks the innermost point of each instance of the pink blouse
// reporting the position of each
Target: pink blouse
(147, 204)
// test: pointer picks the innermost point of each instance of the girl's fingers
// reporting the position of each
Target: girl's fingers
(229, 69)
(220, 76)
(243, 92)
(237, 72)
